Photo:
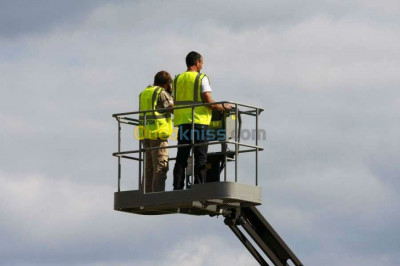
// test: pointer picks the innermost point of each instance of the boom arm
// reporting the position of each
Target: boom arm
(263, 235)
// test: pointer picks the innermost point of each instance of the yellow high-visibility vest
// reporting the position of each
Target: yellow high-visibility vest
(158, 125)
(187, 91)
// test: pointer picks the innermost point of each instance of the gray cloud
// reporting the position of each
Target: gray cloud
(20, 17)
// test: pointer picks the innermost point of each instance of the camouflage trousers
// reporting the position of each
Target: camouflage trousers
(156, 165)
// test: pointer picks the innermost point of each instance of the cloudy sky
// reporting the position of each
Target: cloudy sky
(326, 73)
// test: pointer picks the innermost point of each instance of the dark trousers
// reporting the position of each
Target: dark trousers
(200, 154)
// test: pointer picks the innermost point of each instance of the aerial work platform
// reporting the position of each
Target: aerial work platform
(211, 197)
(228, 194)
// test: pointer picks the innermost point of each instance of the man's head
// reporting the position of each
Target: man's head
(163, 79)
(194, 61)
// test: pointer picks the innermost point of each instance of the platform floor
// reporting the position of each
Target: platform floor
(201, 199)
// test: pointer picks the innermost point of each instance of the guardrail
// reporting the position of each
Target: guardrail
(125, 118)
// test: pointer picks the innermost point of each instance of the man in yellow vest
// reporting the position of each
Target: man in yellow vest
(156, 130)
(192, 87)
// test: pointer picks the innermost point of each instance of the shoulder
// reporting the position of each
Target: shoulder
(204, 78)
(180, 75)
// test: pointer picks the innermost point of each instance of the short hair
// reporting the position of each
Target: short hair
(192, 58)
(162, 78)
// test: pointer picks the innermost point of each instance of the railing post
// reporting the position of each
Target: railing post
(226, 156)
(256, 146)
(119, 157)
(144, 154)
(192, 136)
(236, 141)
(140, 162)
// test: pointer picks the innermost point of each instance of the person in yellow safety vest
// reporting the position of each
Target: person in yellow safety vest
(192, 87)
(156, 130)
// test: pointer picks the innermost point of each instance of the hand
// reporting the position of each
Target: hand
(227, 106)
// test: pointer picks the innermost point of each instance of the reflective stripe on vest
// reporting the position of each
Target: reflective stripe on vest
(158, 125)
(187, 91)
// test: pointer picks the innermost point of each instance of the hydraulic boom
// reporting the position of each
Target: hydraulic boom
(263, 235)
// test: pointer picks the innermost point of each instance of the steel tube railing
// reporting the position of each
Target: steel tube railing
(123, 119)
(236, 141)
(144, 160)
(119, 159)
(116, 154)
(123, 154)
(192, 158)
(140, 163)
(174, 158)
(257, 145)
(187, 106)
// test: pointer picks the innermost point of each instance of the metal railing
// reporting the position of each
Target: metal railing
(125, 118)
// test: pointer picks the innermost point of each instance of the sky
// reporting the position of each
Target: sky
(326, 73)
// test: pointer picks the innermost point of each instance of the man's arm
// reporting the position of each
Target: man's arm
(166, 100)
(206, 98)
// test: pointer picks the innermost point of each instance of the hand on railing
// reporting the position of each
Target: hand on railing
(226, 106)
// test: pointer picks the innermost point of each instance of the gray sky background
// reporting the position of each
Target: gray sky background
(326, 72)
